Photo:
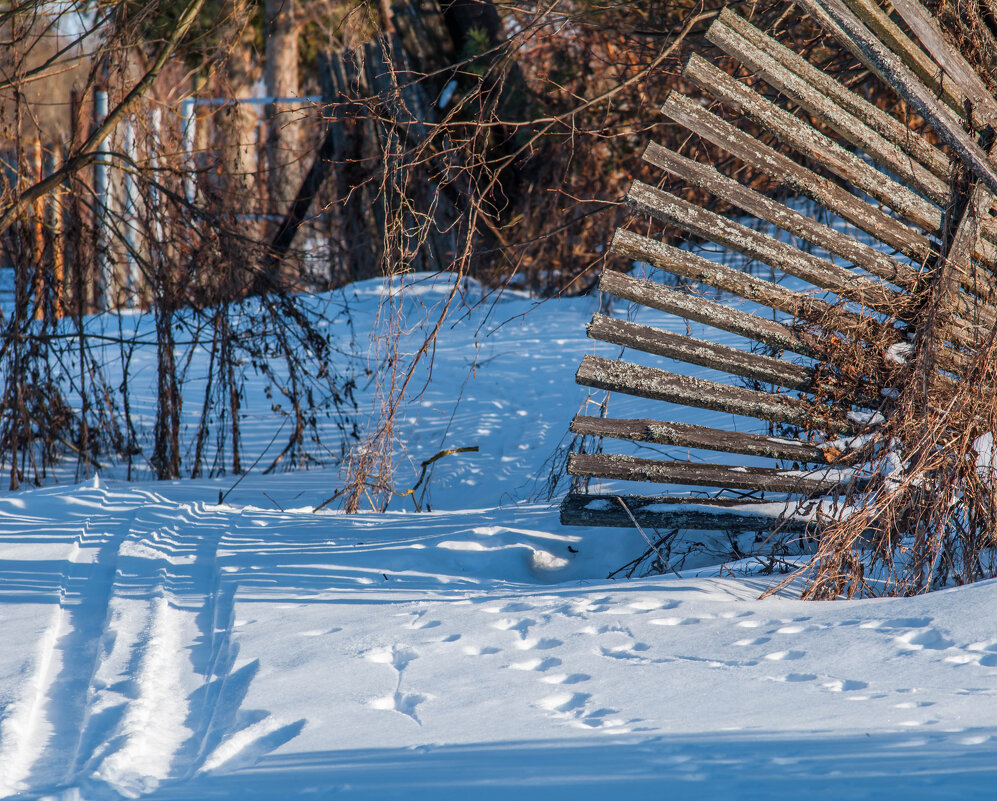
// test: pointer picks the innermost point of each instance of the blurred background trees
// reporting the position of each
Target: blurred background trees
(468, 135)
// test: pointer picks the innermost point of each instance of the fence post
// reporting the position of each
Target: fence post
(39, 234)
(57, 228)
(188, 113)
(155, 142)
(130, 215)
(101, 190)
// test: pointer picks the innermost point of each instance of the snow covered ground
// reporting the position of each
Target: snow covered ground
(159, 644)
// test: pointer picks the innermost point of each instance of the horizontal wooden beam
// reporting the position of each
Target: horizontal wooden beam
(701, 352)
(926, 28)
(701, 310)
(656, 384)
(689, 265)
(621, 467)
(703, 514)
(804, 226)
(888, 33)
(685, 435)
(975, 311)
(951, 61)
(755, 245)
(891, 129)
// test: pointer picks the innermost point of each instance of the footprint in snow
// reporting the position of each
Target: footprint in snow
(652, 605)
(418, 621)
(844, 685)
(538, 644)
(398, 657)
(536, 664)
(516, 607)
(574, 708)
(477, 650)
(405, 703)
(780, 656)
(795, 628)
(521, 627)
(564, 678)
(901, 623)
(929, 639)
(629, 652)
(794, 677)
(753, 641)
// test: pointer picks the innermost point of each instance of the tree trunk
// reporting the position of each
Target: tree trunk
(280, 76)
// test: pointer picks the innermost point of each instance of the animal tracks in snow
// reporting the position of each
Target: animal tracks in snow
(549, 648)
(398, 657)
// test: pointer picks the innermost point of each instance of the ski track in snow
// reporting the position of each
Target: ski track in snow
(132, 682)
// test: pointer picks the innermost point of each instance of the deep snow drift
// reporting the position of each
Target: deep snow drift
(157, 643)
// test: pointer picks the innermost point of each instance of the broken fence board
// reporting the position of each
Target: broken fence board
(889, 34)
(764, 369)
(975, 311)
(765, 208)
(878, 120)
(699, 393)
(829, 112)
(696, 268)
(686, 435)
(621, 467)
(924, 26)
(701, 310)
(672, 512)
(842, 23)
(739, 238)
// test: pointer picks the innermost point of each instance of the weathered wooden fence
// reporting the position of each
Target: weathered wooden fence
(924, 230)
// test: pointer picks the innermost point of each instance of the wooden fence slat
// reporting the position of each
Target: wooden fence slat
(796, 178)
(686, 435)
(839, 20)
(764, 208)
(700, 352)
(968, 232)
(977, 311)
(838, 119)
(671, 512)
(696, 268)
(621, 467)
(755, 245)
(949, 76)
(700, 310)
(656, 384)
(799, 179)
(801, 306)
(882, 123)
(966, 235)
(812, 144)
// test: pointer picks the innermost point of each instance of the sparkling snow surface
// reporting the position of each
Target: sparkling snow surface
(159, 644)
